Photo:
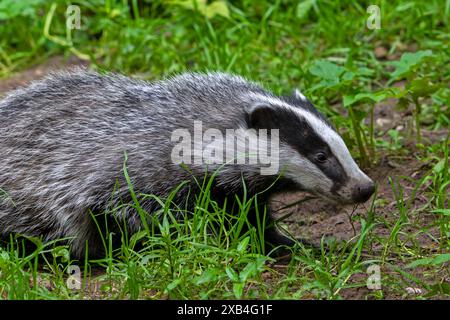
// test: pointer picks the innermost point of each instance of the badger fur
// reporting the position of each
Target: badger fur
(63, 140)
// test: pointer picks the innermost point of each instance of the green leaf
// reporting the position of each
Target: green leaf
(348, 76)
(329, 73)
(441, 258)
(349, 100)
(219, 8)
(12, 8)
(371, 96)
(438, 167)
(242, 246)
(395, 92)
(442, 96)
(438, 288)
(445, 212)
(323, 277)
(438, 259)
(325, 69)
(209, 10)
(249, 270)
(422, 87)
(403, 103)
(61, 252)
(363, 71)
(303, 8)
(360, 115)
(173, 284)
(232, 274)
(252, 268)
(407, 63)
(210, 275)
(238, 289)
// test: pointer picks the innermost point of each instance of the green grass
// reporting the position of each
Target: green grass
(321, 47)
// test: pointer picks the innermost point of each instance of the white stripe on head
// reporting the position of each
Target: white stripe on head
(331, 137)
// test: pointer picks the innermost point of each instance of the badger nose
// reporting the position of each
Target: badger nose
(362, 192)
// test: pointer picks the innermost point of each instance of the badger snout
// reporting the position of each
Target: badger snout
(363, 191)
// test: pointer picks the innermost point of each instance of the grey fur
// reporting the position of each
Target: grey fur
(62, 144)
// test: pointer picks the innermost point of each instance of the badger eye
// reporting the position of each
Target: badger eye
(321, 157)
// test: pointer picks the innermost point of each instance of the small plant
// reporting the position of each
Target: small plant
(418, 85)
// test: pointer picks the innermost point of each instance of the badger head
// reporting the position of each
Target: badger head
(312, 155)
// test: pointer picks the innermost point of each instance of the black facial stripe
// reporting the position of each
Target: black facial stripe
(334, 170)
(308, 143)
(306, 105)
(298, 133)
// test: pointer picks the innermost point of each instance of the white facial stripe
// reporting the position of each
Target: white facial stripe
(333, 140)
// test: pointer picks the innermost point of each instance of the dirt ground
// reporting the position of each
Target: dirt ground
(315, 218)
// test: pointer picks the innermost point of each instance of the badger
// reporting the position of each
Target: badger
(64, 139)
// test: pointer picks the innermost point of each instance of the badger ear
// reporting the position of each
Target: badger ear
(261, 116)
(298, 95)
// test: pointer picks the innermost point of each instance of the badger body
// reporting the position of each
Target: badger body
(63, 141)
